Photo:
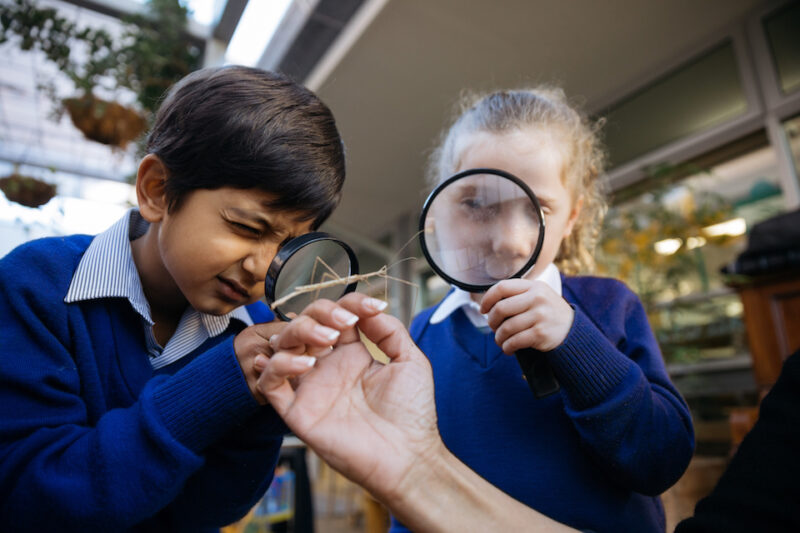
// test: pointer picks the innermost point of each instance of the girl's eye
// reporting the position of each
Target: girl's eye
(471, 203)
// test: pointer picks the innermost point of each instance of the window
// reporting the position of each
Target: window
(792, 129)
(701, 94)
(667, 238)
(782, 30)
(670, 240)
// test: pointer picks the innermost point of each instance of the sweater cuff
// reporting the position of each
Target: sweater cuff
(586, 364)
(205, 399)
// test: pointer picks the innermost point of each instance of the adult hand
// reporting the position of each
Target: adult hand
(370, 421)
(527, 314)
(303, 337)
(376, 424)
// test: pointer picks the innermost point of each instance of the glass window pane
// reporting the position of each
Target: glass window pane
(792, 129)
(670, 241)
(701, 94)
(783, 34)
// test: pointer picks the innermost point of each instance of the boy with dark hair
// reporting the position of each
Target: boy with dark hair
(128, 395)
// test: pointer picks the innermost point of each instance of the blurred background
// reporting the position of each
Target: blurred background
(701, 98)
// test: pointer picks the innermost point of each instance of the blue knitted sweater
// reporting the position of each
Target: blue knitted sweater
(594, 456)
(91, 439)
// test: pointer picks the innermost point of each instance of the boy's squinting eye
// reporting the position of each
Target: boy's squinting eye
(245, 228)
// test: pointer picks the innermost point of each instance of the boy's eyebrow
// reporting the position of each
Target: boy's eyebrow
(256, 218)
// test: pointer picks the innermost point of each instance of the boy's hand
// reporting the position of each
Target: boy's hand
(527, 314)
(251, 342)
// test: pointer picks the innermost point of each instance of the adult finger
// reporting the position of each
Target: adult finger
(330, 313)
(273, 382)
(362, 306)
(302, 332)
(391, 337)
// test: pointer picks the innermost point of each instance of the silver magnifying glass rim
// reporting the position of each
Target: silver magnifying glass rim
(463, 174)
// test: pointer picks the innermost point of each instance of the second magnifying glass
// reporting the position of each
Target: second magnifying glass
(482, 226)
(307, 268)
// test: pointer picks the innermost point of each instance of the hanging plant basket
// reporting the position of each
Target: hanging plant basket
(105, 122)
(27, 191)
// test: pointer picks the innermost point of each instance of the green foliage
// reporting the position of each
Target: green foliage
(642, 216)
(152, 53)
(158, 53)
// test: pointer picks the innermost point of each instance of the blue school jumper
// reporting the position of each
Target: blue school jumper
(593, 456)
(92, 438)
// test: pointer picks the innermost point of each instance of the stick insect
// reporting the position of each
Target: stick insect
(331, 279)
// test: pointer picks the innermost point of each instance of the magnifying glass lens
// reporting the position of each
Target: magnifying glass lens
(312, 259)
(481, 228)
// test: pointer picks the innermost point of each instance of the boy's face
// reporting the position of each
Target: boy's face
(218, 244)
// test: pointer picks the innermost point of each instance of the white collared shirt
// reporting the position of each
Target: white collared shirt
(107, 270)
(460, 298)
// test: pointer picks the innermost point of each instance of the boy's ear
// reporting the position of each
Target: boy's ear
(150, 188)
(573, 216)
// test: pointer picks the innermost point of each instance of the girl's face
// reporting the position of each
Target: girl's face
(535, 158)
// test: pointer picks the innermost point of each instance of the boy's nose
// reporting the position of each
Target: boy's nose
(257, 261)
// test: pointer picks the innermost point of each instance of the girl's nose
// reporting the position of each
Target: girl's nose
(514, 236)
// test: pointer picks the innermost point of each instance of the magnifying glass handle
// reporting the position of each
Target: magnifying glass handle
(537, 372)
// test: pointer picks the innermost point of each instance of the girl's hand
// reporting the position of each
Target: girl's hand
(527, 314)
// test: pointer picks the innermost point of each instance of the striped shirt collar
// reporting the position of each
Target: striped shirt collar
(459, 298)
(107, 270)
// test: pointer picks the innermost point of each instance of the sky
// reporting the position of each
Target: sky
(255, 29)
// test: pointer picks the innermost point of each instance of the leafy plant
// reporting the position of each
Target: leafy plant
(152, 52)
(633, 227)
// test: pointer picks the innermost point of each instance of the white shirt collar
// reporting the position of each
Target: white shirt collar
(107, 270)
(459, 298)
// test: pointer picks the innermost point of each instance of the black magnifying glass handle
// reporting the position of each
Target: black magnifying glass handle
(538, 372)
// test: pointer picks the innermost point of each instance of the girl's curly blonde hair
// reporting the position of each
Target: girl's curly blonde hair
(542, 109)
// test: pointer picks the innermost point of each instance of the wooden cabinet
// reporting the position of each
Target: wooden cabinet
(772, 319)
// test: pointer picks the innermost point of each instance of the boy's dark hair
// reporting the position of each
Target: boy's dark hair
(247, 128)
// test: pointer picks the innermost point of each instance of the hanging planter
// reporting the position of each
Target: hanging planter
(27, 191)
(105, 122)
(152, 52)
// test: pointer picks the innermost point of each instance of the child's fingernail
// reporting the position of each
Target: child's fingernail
(273, 341)
(305, 360)
(374, 304)
(344, 317)
(260, 363)
(326, 332)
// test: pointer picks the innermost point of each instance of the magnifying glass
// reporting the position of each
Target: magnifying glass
(482, 226)
(309, 267)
